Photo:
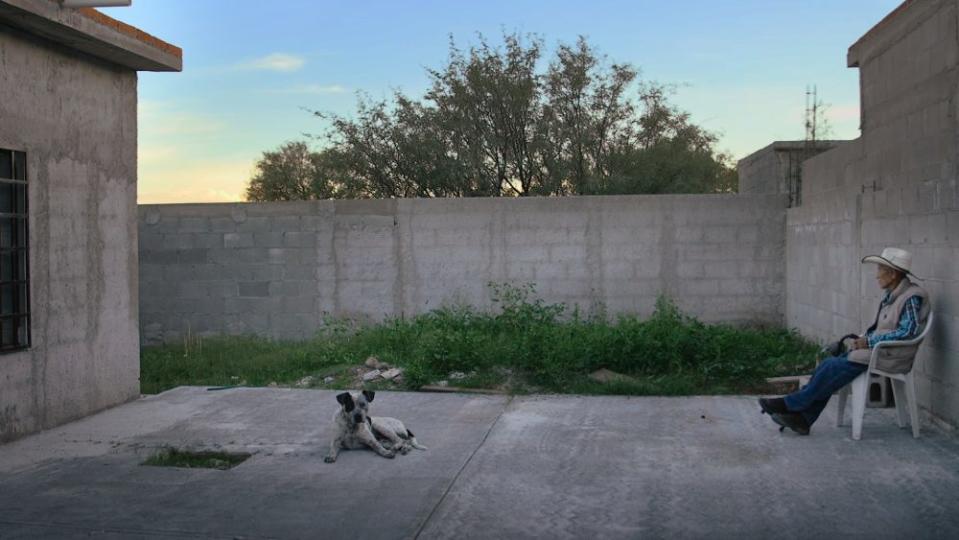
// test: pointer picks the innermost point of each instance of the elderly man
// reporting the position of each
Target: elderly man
(902, 313)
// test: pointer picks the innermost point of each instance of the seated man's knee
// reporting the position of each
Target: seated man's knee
(832, 362)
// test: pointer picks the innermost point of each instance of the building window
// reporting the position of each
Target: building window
(14, 255)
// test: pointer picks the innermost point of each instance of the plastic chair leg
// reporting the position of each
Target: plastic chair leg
(913, 404)
(841, 402)
(899, 394)
(860, 389)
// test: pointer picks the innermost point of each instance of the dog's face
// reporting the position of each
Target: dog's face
(356, 407)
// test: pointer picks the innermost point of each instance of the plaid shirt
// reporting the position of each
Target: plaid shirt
(908, 323)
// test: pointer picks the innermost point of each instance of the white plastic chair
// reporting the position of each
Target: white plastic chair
(903, 388)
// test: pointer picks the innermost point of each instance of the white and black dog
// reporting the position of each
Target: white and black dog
(355, 428)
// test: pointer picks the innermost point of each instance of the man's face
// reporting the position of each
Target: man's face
(885, 276)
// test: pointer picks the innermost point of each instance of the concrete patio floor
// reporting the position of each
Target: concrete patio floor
(536, 466)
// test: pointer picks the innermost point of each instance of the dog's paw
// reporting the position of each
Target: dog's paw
(404, 450)
(389, 454)
(329, 459)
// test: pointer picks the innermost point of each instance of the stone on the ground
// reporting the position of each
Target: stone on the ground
(605, 376)
(305, 381)
(457, 375)
(375, 363)
(328, 380)
(371, 375)
(391, 373)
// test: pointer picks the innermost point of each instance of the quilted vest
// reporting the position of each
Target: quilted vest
(895, 359)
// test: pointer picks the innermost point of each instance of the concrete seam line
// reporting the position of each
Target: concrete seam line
(120, 530)
(449, 488)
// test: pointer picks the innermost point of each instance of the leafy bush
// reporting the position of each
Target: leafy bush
(523, 342)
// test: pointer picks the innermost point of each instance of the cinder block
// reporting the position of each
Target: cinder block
(207, 240)
(299, 304)
(299, 272)
(690, 269)
(316, 223)
(720, 269)
(268, 239)
(237, 240)
(285, 223)
(299, 239)
(567, 253)
(937, 229)
(222, 288)
(918, 229)
(703, 287)
(648, 268)
(254, 288)
(253, 225)
(527, 253)
(222, 224)
(191, 256)
(158, 257)
(293, 288)
(212, 308)
(177, 241)
(689, 234)
(194, 225)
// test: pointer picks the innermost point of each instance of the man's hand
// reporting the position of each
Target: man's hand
(860, 343)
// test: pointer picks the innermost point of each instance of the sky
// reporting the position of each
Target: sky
(254, 70)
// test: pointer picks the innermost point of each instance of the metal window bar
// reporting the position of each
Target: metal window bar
(14, 253)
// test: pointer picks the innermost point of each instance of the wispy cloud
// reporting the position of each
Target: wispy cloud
(310, 89)
(275, 62)
(163, 118)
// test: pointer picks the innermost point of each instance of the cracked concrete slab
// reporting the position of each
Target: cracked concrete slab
(536, 466)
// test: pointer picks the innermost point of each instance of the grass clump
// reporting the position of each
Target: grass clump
(172, 457)
(523, 345)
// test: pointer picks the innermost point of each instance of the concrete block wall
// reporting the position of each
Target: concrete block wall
(894, 186)
(767, 170)
(76, 120)
(276, 269)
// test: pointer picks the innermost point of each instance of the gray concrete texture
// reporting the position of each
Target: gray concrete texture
(277, 269)
(772, 169)
(894, 186)
(93, 33)
(527, 467)
(76, 119)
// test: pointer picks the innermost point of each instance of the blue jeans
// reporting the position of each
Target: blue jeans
(831, 374)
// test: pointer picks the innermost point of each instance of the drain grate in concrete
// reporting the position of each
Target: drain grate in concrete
(173, 457)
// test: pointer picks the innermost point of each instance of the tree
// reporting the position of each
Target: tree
(294, 172)
(491, 124)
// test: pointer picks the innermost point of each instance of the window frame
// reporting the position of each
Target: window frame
(18, 253)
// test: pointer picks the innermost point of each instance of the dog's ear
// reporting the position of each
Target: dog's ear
(369, 394)
(346, 400)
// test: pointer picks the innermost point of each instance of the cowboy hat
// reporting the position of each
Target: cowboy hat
(895, 258)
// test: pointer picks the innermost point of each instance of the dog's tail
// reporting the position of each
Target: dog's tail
(413, 443)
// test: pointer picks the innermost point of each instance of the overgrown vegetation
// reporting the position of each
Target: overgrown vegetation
(173, 457)
(523, 345)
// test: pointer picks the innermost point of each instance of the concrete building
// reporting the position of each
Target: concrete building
(893, 186)
(68, 238)
(777, 168)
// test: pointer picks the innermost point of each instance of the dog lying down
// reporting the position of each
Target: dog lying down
(355, 428)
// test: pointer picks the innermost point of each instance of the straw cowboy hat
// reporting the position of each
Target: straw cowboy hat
(895, 258)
